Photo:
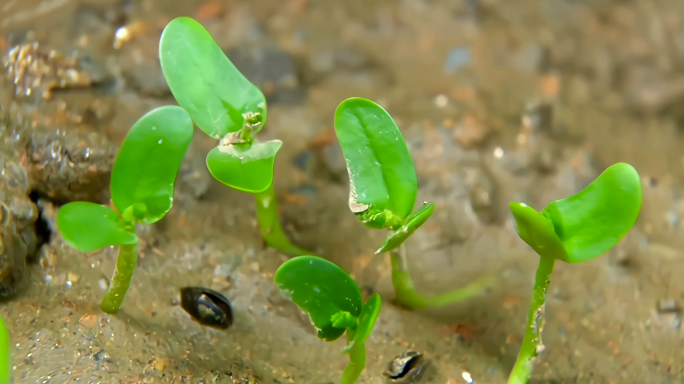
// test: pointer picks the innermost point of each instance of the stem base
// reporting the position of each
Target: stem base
(121, 280)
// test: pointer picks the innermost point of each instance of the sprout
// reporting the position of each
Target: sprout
(578, 228)
(333, 301)
(228, 107)
(382, 193)
(142, 182)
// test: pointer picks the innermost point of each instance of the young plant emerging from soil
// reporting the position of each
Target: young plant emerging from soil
(333, 301)
(383, 188)
(141, 186)
(5, 361)
(575, 229)
(228, 107)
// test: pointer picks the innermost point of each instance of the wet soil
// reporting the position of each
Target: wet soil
(499, 101)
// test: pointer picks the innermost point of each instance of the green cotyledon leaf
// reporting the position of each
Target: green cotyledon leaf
(321, 289)
(248, 168)
(148, 161)
(89, 226)
(588, 224)
(218, 97)
(381, 172)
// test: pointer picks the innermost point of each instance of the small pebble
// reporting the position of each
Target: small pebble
(668, 306)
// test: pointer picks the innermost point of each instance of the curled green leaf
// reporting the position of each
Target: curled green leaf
(89, 226)
(381, 172)
(585, 225)
(218, 97)
(147, 164)
(369, 315)
(413, 222)
(245, 167)
(322, 290)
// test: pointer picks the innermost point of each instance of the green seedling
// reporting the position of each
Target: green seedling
(383, 188)
(228, 107)
(5, 361)
(575, 229)
(141, 186)
(333, 301)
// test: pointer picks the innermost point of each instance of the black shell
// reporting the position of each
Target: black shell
(207, 307)
(407, 367)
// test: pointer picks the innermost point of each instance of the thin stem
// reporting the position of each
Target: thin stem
(357, 361)
(121, 280)
(5, 362)
(406, 294)
(532, 342)
(267, 215)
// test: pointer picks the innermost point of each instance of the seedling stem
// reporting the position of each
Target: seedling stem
(407, 297)
(271, 231)
(5, 362)
(357, 361)
(121, 279)
(532, 342)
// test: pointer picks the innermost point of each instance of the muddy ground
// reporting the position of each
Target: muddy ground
(499, 100)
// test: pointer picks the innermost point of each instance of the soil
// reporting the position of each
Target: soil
(499, 101)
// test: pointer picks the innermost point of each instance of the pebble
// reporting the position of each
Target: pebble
(470, 131)
(271, 69)
(38, 72)
(458, 58)
(668, 306)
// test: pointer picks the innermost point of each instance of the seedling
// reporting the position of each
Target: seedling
(383, 188)
(141, 186)
(228, 107)
(578, 228)
(5, 362)
(333, 301)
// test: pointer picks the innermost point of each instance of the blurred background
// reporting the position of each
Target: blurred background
(498, 100)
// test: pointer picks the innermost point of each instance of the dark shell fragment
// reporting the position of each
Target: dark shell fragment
(207, 307)
(407, 367)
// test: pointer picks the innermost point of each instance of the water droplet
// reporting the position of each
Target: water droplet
(160, 141)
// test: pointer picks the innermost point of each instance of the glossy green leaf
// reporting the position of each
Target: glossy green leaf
(146, 167)
(413, 222)
(321, 289)
(245, 168)
(585, 225)
(204, 81)
(369, 314)
(89, 226)
(381, 173)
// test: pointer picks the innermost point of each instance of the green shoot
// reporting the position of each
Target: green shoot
(228, 107)
(333, 301)
(383, 188)
(142, 183)
(5, 360)
(578, 228)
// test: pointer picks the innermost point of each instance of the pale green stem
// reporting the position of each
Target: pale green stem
(406, 294)
(532, 342)
(5, 361)
(267, 215)
(357, 361)
(121, 280)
